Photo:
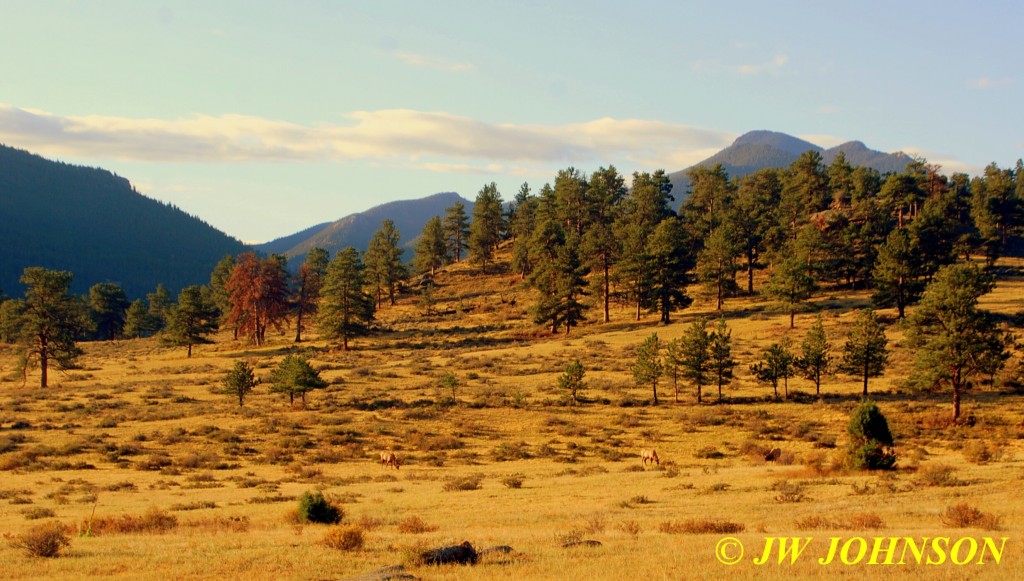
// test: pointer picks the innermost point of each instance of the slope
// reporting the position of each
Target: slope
(94, 224)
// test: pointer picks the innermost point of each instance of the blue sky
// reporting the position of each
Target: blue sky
(264, 118)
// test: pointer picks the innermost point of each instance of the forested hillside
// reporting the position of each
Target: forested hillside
(94, 224)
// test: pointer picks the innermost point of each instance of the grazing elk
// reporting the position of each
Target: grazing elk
(388, 459)
(651, 455)
(773, 455)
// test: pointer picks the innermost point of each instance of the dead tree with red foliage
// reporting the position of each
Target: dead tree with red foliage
(259, 296)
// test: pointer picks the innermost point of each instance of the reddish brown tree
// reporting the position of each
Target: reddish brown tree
(259, 296)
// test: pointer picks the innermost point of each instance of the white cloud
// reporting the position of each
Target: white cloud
(450, 142)
(949, 164)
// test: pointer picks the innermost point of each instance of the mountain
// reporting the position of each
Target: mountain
(762, 149)
(94, 224)
(357, 229)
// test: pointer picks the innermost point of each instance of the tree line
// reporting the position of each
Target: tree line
(587, 242)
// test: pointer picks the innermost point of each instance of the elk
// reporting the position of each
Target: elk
(651, 455)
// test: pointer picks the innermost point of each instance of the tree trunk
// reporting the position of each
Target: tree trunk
(699, 398)
(792, 317)
(607, 288)
(750, 274)
(957, 388)
(654, 386)
(866, 371)
(44, 360)
(189, 356)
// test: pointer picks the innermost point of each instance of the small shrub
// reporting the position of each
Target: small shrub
(965, 516)
(314, 508)
(871, 442)
(630, 527)
(415, 525)
(816, 523)
(866, 520)
(979, 452)
(463, 483)
(939, 475)
(709, 453)
(513, 480)
(152, 521)
(38, 512)
(788, 492)
(697, 527)
(45, 540)
(344, 538)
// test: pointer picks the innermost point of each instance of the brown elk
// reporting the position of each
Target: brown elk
(651, 455)
(389, 459)
(773, 455)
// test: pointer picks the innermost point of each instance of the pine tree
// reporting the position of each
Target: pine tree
(294, 375)
(646, 206)
(865, 353)
(259, 296)
(776, 364)
(310, 280)
(791, 283)
(192, 320)
(648, 367)
(345, 309)
(240, 381)
(572, 380)
(384, 267)
(601, 248)
(695, 351)
(954, 339)
(896, 274)
(815, 360)
(51, 321)
(670, 260)
(456, 230)
(722, 363)
(753, 216)
(430, 248)
(108, 305)
(487, 226)
(716, 265)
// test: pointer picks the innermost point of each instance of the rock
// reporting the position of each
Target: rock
(461, 554)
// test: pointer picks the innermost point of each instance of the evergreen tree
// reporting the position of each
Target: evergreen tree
(954, 339)
(310, 280)
(722, 363)
(695, 351)
(870, 441)
(646, 206)
(776, 364)
(108, 305)
(791, 284)
(430, 248)
(219, 287)
(601, 247)
(522, 224)
(294, 375)
(159, 304)
(707, 205)
(11, 313)
(673, 364)
(384, 267)
(895, 277)
(572, 380)
(345, 309)
(716, 266)
(753, 216)
(670, 260)
(805, 191)
(865, 353)
(52, 320)
(487, 226)
(139, 321)
(815, 361)
(456, 230)
(240, 381)
(648, 367)
(192, 320)
(572, 204)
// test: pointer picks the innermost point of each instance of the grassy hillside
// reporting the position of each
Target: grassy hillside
(94, 224)
(156, 476)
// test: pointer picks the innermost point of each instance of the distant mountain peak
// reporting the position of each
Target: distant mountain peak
(783, 141)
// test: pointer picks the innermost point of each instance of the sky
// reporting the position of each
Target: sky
(266, 117)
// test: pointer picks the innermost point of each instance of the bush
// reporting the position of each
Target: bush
(45, 540)
(415, 525)
(513, 480)
(314, 508)
(695, 527)
(344, 538)
(871, 442)
(464, 483)
(964, 516)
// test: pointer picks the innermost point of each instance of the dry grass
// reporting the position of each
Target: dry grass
(139, 437)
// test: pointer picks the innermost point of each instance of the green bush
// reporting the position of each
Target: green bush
(313, 507)
(871, 442)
